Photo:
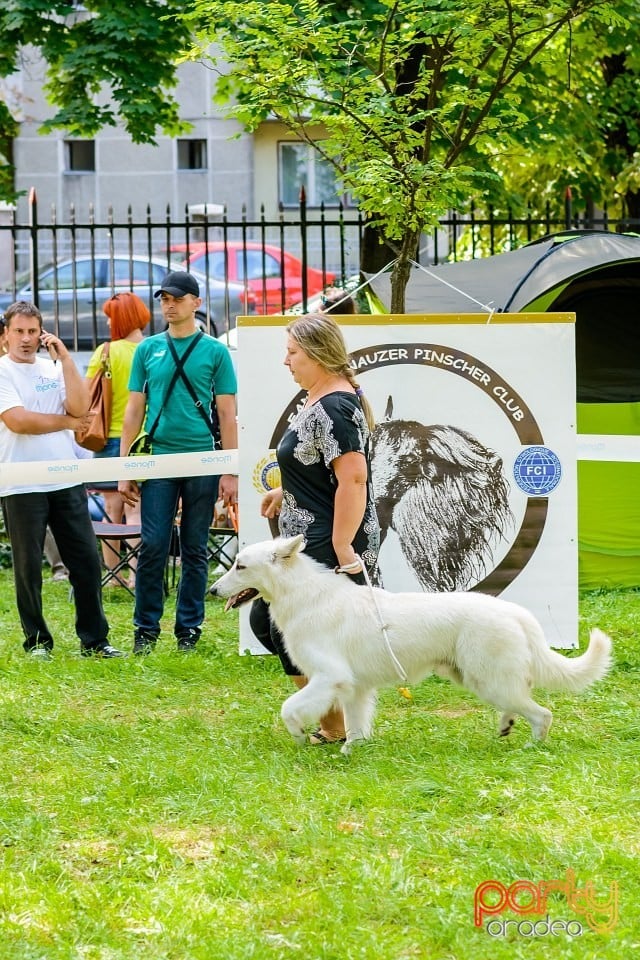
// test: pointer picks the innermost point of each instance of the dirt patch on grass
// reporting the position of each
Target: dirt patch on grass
(453, 713)
(190, 843)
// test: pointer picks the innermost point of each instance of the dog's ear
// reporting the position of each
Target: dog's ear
(286, 548)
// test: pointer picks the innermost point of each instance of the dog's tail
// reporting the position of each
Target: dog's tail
(557, 672)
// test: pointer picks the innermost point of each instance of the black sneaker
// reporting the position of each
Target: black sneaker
(143, 643)
(103, 651)
(187, 641)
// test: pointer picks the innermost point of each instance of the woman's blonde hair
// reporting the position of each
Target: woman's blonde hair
(321, 339)
(127, 312)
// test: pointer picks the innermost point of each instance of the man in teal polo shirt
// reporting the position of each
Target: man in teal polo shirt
(182, 420)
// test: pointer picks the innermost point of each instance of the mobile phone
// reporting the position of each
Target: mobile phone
(53, 353)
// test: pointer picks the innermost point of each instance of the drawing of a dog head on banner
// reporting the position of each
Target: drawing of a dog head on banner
(445, 496)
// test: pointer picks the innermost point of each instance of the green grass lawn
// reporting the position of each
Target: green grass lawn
(157, 808)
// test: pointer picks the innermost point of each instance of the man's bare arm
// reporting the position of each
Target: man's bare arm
(75, 385)
(19, 420)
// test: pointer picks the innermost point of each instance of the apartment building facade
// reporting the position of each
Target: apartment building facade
(216, 163)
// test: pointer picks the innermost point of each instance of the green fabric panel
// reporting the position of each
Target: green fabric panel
(542, 303)
(609, 507)
(376, 306)
(608, 524)
(596, 570)
(609, 418)
(608, 503)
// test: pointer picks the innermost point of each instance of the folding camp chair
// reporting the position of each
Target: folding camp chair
(96, 502)
(222, 544)
(223, 536)
(129, 536)
(107, 532)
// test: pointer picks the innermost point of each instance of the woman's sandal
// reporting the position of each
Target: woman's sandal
(318, 739)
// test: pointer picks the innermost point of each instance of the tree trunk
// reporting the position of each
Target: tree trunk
(399, 280)
(375, 252)
(632, 202)
(402, 270)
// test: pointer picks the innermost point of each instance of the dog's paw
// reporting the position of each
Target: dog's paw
(351, 742)
(506, 730)
(299, 736)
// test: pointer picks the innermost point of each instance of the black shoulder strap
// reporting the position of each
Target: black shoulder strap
(192, 393)
(179, 362)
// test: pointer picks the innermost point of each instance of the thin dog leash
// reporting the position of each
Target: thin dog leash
(353, 568)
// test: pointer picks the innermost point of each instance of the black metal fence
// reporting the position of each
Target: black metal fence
(70, 265)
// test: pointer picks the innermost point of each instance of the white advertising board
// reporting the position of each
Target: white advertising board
(473, 456)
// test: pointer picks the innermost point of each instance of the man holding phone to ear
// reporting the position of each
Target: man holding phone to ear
(41, 404)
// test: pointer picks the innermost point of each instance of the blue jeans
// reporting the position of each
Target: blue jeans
(110, 449)
(159, 499)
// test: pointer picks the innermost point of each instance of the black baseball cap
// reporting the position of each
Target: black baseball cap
(178, 283)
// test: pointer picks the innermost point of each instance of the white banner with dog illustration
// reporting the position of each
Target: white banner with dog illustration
(473, 455)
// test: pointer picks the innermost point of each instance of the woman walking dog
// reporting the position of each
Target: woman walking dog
(326, 493)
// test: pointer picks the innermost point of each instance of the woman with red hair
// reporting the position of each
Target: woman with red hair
(127, 316)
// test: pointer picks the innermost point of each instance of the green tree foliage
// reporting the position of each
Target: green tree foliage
(583, 132)
(8, 130)
(415, 97)
(108, 60)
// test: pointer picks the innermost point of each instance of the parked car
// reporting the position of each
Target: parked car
(274, 275)
(71, 296)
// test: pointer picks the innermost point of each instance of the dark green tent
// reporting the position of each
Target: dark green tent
(596, 275)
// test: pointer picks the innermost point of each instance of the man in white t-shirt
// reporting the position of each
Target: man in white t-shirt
(41, 404)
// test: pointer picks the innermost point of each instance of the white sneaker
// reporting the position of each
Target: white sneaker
(39, 653)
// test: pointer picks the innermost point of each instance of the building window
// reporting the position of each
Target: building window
(192, 154)
(80, 155)
(301, 164)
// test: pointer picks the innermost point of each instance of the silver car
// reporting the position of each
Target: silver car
(71, 295)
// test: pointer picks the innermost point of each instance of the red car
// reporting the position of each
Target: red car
(262, 272)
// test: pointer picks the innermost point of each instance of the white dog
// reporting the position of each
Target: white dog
(349, 640)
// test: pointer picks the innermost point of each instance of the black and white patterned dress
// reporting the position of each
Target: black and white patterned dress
(316, 436)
